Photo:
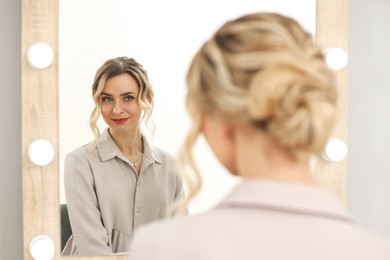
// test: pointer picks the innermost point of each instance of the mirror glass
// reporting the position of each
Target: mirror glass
(163, 36)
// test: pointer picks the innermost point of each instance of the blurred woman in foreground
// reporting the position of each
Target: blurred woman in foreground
(261, 93)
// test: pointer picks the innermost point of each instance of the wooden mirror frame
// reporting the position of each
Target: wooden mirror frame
(41, 209)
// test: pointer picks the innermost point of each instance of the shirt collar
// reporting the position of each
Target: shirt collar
(287, 197)
(107, 149)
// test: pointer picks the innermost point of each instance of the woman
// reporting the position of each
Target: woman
(262, 95)
(119, 181)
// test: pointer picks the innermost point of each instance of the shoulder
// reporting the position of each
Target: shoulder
(198, 225)
(82, 153)
(157, 153)
(372, 241)
(198, 236)
(165, 237)
(164, 155)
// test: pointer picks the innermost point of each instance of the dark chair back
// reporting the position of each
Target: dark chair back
(66, 230)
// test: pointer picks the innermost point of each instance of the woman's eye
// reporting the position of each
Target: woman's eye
(106, 99)
(128, 98)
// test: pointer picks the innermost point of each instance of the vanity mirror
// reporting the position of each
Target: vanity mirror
(164, 43)
(83, 34)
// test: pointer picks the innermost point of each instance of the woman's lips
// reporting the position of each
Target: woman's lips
(120, 120)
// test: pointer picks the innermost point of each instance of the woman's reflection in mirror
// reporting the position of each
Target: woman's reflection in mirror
(119, 180)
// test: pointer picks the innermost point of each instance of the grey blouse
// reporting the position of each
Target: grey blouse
(107, 199)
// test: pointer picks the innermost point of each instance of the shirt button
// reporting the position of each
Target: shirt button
(138, 210)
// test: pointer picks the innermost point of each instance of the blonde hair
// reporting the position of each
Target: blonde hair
(262, 69)
(114, 67)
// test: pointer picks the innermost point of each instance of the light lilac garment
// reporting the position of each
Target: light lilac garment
(262, 219)
(107, 200)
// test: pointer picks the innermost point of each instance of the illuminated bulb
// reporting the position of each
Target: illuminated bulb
(336, 150)
(40, 55)
(41, 152)
(42, 248)
(336, 58)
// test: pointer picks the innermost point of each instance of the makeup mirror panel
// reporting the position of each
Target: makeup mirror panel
(163, 39)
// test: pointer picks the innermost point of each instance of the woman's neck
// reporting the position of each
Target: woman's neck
(129, 143)
(260, 157)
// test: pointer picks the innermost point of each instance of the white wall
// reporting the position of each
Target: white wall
(163, 39)
(11, 243)
(369, 114)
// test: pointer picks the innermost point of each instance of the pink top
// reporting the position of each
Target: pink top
(263, 219)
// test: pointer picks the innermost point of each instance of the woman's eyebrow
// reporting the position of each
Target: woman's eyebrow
(123, 94)
(128, 93)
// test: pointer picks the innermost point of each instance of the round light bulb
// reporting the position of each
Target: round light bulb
(335, 150)
(40, 55)
(42, 248)
(41, 152)
(336, 58)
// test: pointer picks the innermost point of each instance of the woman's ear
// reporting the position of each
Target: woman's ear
(220, 136)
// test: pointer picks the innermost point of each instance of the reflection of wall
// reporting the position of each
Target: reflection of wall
(369, 114)
(11, 243)
(164, 43)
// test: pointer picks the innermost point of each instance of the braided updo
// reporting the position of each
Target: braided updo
(264, 69)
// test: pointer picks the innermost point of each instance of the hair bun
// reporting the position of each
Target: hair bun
(296, 100)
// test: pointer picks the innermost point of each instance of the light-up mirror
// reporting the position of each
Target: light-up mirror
(163, 40)
(162, 36)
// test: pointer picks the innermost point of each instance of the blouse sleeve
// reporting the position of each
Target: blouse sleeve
(90, 236)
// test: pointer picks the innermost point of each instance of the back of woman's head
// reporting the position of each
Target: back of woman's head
(264, 69)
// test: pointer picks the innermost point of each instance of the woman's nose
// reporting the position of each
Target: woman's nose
(117, 107)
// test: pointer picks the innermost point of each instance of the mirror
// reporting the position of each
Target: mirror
(164, 42)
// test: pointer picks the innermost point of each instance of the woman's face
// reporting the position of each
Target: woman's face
(120, 108)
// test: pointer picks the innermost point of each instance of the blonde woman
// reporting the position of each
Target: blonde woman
(120, 180)
(261, 94)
